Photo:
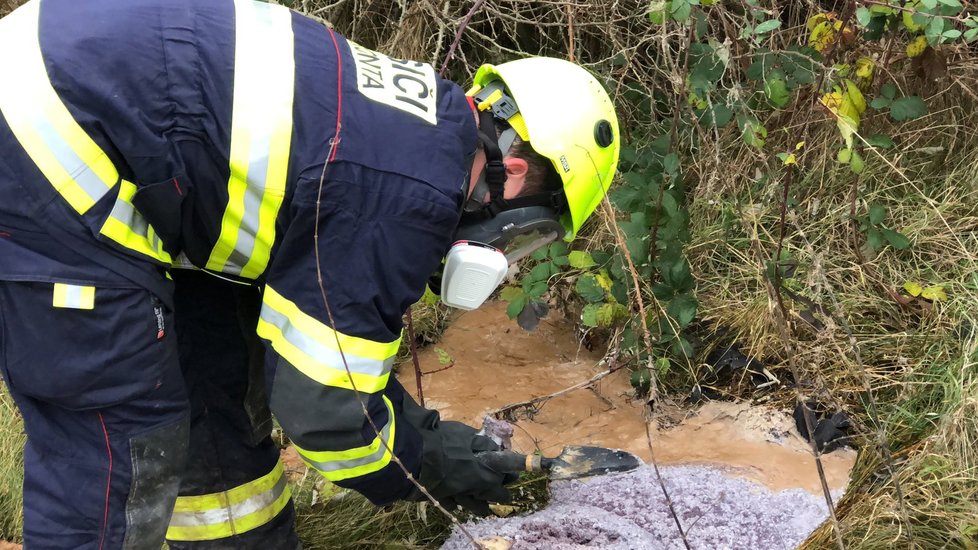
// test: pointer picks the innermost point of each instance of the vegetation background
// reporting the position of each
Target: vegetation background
(799, 180)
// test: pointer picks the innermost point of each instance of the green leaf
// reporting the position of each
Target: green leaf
(510, 293)
(589, 288)
(580, 259)
(682, 308)
(864, 16)
(561, 261)
(951, 3)
(682, 348)
(670, 164)
(874, 238)
(971, 34)
(669, 204)
(908, 108)
(558, 248)
(539, 254)
(535, 289)
(589, 315)
(880, 103)
(767, 26)
(876, 214)
(881, 141)
(896, 239)
(641, 380)
(540, 272)
(777, 92)
(856, 164)
(888, 90)
(844, 155)
(680, 10)
(515, 307)
(718, 115)
(951, 34)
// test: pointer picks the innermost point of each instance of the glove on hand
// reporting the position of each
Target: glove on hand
(450, 470)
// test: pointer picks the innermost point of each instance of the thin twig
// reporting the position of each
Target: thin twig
(414, 356)
(458, 35)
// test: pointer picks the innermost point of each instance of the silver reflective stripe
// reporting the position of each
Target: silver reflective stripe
(67, 156)
(253, 196)
(319, 352)
(73, 296)
(233, 513)
(261, 134)
(347, 464)
(125, 213)
(90, 183)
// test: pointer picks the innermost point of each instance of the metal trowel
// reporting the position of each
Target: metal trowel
(573, 462)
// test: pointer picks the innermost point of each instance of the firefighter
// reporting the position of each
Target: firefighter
(194, 193)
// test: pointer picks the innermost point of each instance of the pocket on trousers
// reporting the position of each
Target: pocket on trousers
(82, 347)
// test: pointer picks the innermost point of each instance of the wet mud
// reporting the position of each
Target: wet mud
(495, 363)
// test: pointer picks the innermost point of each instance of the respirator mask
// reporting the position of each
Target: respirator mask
(493, 235)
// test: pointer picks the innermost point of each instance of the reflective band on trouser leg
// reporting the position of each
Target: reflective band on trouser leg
(340, 465)
(71, 161)
(311, 347)
(261, 135)
(232, 512)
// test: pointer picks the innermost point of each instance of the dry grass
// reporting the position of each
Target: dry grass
(11, 468)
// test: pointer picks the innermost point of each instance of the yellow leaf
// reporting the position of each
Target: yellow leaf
(934, 293)
(908, 17)
(799, 145)
(790, 159)
(865, 70)
(913, 288)
(815, 20)
(822, 36)
(917, 46)
(604, 280)
(855, 98)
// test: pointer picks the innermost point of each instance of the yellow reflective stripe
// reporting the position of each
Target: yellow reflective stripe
(231, 512)
(127, 227)
(311, 346)
(340, 465)
(74, 296)
(70, 160)
(261, 135)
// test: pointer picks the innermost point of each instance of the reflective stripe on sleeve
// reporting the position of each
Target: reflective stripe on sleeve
(74, 296)
(340, 465)
(74, 164)
(77, 168)
(232, 512)
(311, 347)
(261, 134)
(127, 227)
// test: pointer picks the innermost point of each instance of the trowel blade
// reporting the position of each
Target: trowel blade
(580, 461)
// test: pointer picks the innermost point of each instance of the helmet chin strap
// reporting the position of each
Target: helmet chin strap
(492, 180)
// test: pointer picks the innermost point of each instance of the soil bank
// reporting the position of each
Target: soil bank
(495, 363)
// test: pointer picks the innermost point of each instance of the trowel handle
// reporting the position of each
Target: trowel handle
(508, 461)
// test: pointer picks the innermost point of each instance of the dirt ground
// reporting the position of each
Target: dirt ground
(495, 363)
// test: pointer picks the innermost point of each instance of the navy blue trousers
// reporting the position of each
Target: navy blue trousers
(126, 405)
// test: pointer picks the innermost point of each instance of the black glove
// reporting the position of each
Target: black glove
(450, 470)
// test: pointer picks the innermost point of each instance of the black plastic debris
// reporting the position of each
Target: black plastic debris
(831, 430)
(533, 311)
(730, 365)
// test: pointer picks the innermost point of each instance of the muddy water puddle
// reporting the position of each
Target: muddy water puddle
(495, 363)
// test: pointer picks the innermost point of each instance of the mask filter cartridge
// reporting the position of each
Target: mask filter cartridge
(472, 272)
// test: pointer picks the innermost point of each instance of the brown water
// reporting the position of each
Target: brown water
(497, 363)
